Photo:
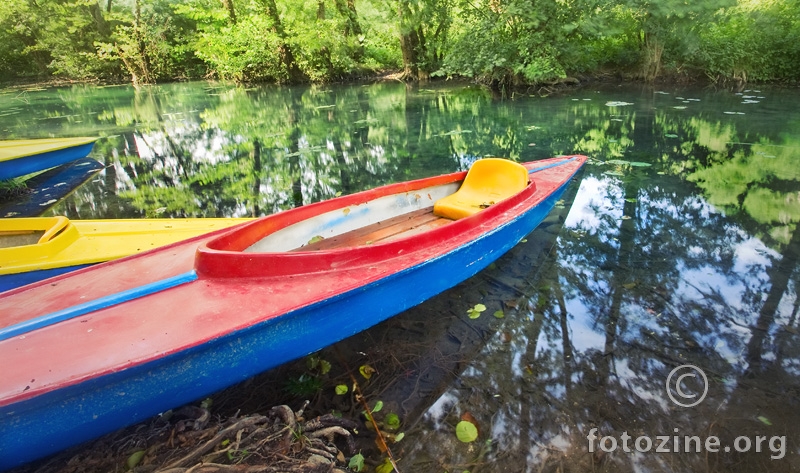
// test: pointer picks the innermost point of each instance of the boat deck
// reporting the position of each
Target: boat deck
(393, 228)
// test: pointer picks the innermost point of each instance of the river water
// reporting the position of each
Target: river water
(677, 245)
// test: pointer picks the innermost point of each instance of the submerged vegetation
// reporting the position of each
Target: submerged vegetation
(511, 42)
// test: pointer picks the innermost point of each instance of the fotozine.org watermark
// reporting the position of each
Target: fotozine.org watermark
(686, 444)
(687, 386)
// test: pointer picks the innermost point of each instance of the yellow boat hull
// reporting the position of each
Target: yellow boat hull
(46, 243)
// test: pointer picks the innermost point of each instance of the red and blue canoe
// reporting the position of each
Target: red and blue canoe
(103, 347)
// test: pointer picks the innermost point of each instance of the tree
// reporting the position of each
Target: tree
(669, 24)
(423, 26)
(285, 49)
(228, 4)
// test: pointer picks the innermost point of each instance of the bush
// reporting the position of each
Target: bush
(245, 52)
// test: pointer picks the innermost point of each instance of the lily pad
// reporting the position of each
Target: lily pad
(475, 312)
(466, 431)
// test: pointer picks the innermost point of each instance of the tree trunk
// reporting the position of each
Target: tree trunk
(409, 46)
(228, 4)
(286, 53)
(412, 45)
(352, 27)
(100, 23)
(653, 49)
(348, 11)
(321, 10)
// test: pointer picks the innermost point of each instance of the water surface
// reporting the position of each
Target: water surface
(678, 244)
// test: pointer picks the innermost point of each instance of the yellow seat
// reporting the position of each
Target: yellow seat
(488, 181)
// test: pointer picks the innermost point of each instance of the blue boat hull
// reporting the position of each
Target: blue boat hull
(11, 281)
(27, 428)
(39, 162)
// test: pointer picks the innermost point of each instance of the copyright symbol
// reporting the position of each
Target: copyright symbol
(684, 389)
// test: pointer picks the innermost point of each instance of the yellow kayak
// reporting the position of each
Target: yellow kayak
(22, 157)
(36, 248)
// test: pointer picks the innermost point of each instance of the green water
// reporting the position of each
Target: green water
(678, 244)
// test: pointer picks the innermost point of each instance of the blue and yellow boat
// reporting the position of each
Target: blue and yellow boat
(22, 157)
(32, 249)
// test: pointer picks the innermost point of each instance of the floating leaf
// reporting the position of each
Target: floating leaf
(341, 389)
(378, 406)
(134, 459)
(324, 366)
(466, 431)
(392, 421)
(671, 135)
(399, 437)
(617, 104)
(385, 467)
(366, 371)
(499, 314)
(618, 162)
(764, 420)
(356, 462)
(614, 173)
(475, 312)
(639, 164)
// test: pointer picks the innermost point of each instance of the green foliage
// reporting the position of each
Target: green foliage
(245, 52)
(500, 43)
(752, 41)
(511, 43)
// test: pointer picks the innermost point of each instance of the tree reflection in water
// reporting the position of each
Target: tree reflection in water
(678, 244)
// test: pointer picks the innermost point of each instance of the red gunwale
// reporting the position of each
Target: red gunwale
(223, 257)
